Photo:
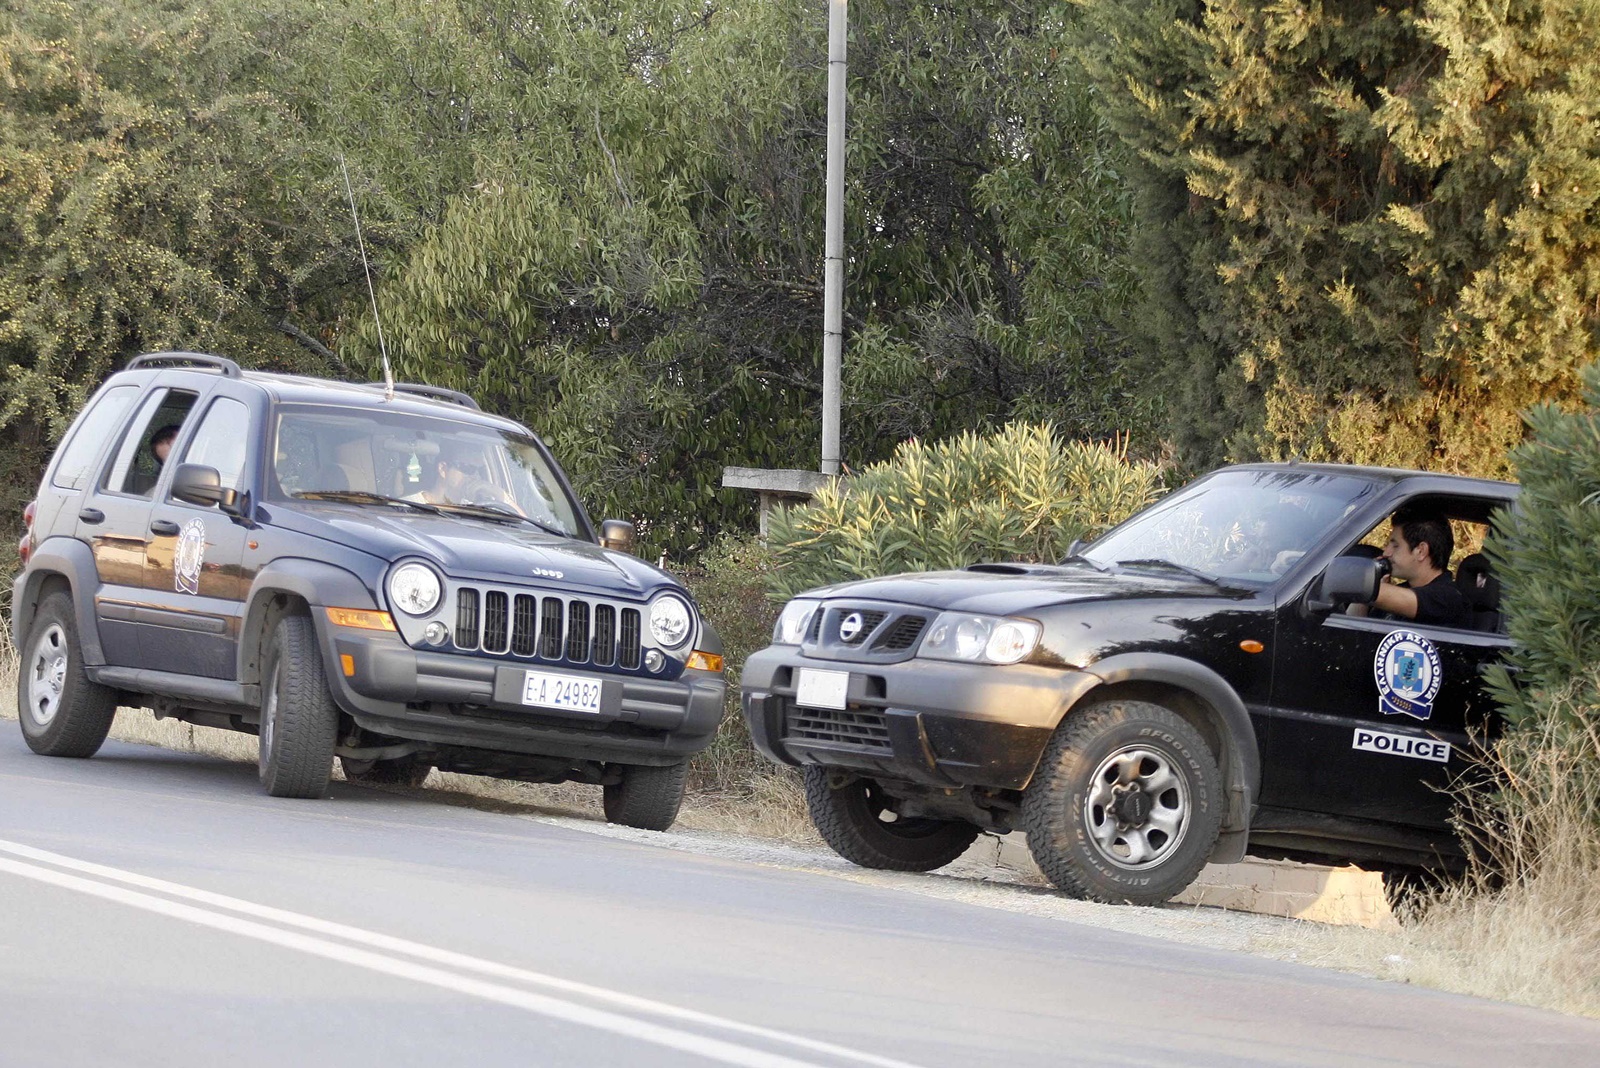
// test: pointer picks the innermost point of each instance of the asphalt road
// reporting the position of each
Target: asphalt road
(156, 909)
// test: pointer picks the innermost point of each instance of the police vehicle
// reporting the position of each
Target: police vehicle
(391, 576)
(1192, 687)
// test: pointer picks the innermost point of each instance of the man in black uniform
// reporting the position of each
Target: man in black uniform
(1419, 552)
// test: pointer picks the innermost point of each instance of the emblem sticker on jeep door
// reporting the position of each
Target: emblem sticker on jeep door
(189, 555)
(1408, 673)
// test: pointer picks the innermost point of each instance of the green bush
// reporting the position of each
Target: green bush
(1020, 494)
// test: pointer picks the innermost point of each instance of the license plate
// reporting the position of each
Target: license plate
(822, 689)
(570, 693)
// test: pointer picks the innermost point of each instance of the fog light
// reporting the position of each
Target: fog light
(653, 660)
(435, 633)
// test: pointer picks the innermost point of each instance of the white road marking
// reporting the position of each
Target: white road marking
(384, 953)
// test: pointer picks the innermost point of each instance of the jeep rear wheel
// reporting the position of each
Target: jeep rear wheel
(1126, 805)
(402, 771)
(856, 818)
(299, 721)
(646, 797)
(62, 711)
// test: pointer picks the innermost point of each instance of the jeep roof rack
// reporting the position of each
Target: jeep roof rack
(455, 396)
(196, 360)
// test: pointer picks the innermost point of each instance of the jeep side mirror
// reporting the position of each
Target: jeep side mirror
(617, 534)
(1348, 580)
(198, 484)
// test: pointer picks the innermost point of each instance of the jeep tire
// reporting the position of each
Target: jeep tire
(855, 818)
(401, 771)
(62, 711)
(1126, 804)
(299, 721)
(646, 797)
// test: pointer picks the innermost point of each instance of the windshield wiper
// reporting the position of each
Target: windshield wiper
(1169, 565)
(1079, 558)
(498, 511)
(363, 497)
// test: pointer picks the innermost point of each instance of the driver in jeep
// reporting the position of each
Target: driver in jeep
(458, 477)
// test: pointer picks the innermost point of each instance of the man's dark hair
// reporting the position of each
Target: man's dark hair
(1418, 527)
(165, 434)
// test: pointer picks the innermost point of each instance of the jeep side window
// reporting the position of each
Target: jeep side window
(98, 423)
(136, 469)
(222, 441)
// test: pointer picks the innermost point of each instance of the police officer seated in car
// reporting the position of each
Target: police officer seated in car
(457, 477)
(1418, 553)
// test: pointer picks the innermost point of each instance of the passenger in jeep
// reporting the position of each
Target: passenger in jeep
(1418, 552)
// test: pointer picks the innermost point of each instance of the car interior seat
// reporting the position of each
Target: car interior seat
(1477, 584)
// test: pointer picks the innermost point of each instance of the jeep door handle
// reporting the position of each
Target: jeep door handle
(166, 528)
(92, 515)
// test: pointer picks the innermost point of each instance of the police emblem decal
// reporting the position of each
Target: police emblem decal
(188, 556)
(850, 626)
(1409, 673)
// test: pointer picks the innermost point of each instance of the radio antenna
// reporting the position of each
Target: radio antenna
(383, 350)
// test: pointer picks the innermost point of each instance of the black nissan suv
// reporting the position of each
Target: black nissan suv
(1192, 686)
(391, 576)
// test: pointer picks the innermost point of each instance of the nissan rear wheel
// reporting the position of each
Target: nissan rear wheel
(1126, 804)
(857, 819)
(62, 711)
(299, 721)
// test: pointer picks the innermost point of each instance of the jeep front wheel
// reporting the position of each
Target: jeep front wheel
(62, 712)
(1126, 805)
(646, 797)
(299, 721)
(856, 818)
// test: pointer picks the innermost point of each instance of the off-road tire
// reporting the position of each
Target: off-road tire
(849, 816)
(402, 771)
(1053, 806)
(62, 712)
(299, 721)
(646, 797)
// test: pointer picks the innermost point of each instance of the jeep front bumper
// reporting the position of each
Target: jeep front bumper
(461, 700)
(935, 722)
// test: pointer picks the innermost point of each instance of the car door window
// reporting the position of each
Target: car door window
(138, 463)
(221, 441)
(97, 425)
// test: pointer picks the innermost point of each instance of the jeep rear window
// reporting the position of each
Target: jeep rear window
(1247, 527)
(97, 425)
(327, 450)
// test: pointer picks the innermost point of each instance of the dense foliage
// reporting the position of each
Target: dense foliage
(1023, 493)
(1368, 233)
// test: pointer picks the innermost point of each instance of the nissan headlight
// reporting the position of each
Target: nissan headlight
(414, 589)
(980, 639)
(670, 621)
(794, 621)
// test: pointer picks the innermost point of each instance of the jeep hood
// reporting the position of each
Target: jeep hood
(1018, 589)
(477, 549)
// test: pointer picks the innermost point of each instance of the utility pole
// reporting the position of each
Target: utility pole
(833, 243)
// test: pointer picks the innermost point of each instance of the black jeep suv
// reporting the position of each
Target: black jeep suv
(1190, 687)
(393, 577)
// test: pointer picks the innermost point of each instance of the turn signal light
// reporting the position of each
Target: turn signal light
(705, 661)
(1250, 645)
(362, 618)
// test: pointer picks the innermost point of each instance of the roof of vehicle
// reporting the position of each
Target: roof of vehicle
(1446, 483)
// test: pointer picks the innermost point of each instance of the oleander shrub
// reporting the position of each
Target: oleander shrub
(1022, 493)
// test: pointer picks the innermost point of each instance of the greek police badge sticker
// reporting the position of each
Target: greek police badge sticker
(1409, 673)
(191, 552)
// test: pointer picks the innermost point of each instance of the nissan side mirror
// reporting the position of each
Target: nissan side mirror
(617, 534)
(1348, 580)
(199, 484)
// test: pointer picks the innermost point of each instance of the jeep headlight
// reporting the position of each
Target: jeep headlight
(980, 639)
(794, 621)
(414, 589)
(670, 621)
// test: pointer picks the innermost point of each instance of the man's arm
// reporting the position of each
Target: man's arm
(1396, 600)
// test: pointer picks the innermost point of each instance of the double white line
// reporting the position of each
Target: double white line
(563, 999)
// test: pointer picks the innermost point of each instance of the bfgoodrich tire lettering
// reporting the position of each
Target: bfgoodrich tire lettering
(1126, 805)
(299, 721)
(646, 797)
(61, 711)
(854, 817)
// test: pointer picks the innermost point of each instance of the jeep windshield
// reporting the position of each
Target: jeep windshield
(1244, 528)
(381, 458)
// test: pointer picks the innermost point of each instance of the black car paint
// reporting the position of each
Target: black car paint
(1296, 786)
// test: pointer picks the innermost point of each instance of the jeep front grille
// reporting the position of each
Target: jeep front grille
(564, 629)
